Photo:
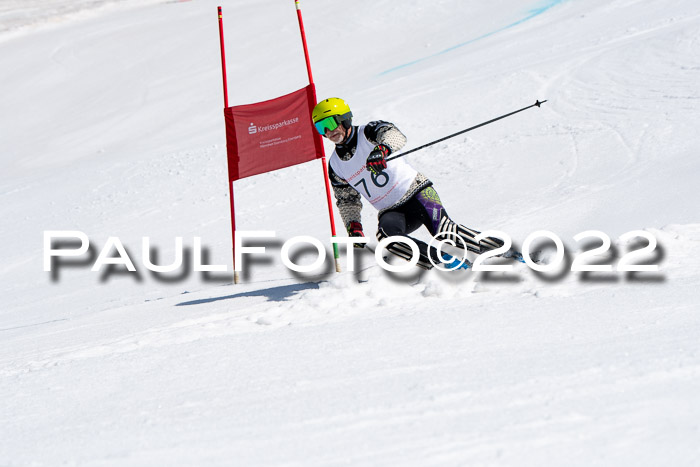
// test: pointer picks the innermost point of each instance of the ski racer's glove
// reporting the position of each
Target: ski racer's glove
(355, 230)
(376, 161)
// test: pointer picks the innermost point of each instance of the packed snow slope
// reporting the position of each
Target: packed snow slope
(112, 125)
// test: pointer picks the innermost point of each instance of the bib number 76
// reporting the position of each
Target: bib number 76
(380, 180)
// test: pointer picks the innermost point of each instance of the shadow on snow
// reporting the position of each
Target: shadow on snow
(273, 294)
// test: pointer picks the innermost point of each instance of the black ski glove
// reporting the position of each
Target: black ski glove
(376, 161)
(355, 230)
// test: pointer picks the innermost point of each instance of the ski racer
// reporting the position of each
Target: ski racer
(404, 197)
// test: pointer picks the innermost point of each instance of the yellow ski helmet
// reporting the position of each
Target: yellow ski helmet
(330, 113)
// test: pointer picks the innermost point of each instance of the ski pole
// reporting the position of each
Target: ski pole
(536, 104)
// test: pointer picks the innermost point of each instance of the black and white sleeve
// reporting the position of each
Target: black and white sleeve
(347, 199)
(381, 132)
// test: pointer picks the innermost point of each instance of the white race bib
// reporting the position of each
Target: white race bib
(383, 190)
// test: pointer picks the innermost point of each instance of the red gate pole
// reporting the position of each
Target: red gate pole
(323, 153)
(223, 56)
(233, 211)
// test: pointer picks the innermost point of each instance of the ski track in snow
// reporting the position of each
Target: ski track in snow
(532, 13)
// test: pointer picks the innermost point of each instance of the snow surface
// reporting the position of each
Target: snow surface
(111, 124)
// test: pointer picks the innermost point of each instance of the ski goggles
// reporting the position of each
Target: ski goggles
(327, 124)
